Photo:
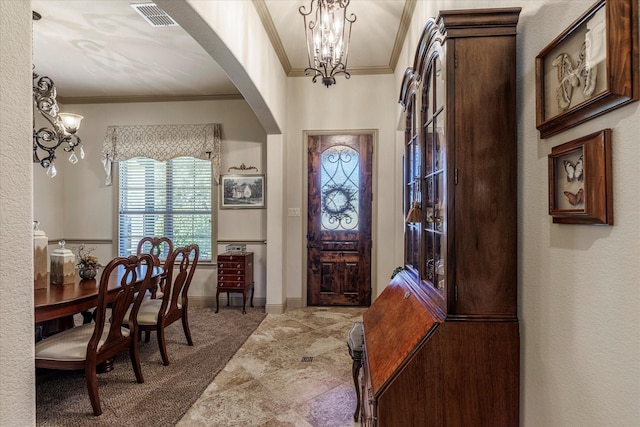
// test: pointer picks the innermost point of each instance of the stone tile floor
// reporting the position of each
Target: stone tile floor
(294, 370)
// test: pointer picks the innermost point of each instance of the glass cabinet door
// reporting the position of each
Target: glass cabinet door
(413, 190)
(425, 176)
(434, 238)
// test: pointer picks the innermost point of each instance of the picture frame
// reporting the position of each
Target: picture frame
(589, 69)
(247, 191)
(580, 180)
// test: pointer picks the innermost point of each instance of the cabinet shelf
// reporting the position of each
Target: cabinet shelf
(434, 173)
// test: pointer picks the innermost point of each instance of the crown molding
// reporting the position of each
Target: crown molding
(144, 98)
(403, 28)
(272, 33)
(355, 71)
(276, 42)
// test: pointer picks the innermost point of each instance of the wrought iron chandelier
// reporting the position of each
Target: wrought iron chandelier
(64, 126)
(328, 33)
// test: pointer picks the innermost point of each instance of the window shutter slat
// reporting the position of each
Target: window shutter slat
(171, 198)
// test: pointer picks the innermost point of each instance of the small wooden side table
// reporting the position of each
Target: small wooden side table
(235, 275)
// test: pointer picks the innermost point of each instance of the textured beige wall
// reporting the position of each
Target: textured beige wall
(578, 285)
(362, 102)
(232, 33)
(16, 252)
(579, 293)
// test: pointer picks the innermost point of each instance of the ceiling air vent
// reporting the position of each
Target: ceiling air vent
(154, 15)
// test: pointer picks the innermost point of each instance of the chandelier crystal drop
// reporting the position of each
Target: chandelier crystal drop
(328, 33)
(62, 130)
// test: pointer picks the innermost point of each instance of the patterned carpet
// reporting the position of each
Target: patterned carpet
(168, 391)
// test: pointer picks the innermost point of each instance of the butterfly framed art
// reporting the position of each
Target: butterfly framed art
(580, 181)
(590, 68)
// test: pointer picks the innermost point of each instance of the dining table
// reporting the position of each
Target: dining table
(62, 302)
(56, 305)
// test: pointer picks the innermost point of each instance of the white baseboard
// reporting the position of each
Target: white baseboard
(236, 301)
(274, 308)
(202, 301)
(294, 303)
(210, 301)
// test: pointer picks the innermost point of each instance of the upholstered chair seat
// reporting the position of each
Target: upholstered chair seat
(71, 345)
(148, 314)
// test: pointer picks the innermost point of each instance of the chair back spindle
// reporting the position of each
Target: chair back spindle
(159, 247)
(182, 263)
(157, 314)
(130, 287)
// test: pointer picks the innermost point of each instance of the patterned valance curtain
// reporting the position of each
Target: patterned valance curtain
(162, 142)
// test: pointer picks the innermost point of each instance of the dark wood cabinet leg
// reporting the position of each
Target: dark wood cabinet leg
(244, 301)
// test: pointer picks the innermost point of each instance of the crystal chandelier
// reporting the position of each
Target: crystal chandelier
(328, 33)
(62, 131)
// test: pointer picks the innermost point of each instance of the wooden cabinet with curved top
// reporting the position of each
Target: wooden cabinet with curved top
(441, 343)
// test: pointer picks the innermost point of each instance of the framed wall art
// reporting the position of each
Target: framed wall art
(589, 69)
(580, 181)
(242, 192)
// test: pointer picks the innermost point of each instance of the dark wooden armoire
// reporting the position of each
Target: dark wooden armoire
(441, 342)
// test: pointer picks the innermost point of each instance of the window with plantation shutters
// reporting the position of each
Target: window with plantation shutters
(165, 199)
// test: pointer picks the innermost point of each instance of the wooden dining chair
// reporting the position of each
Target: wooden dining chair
(160, 248)
(87, 346)
(157, 314)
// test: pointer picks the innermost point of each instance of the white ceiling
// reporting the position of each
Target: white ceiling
(103, 49)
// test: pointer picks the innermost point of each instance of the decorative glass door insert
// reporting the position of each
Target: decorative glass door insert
(340, 181)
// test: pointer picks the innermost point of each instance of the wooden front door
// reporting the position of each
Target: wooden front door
(339, 220)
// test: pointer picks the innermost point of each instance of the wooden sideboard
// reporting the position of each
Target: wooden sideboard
(235, 275)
